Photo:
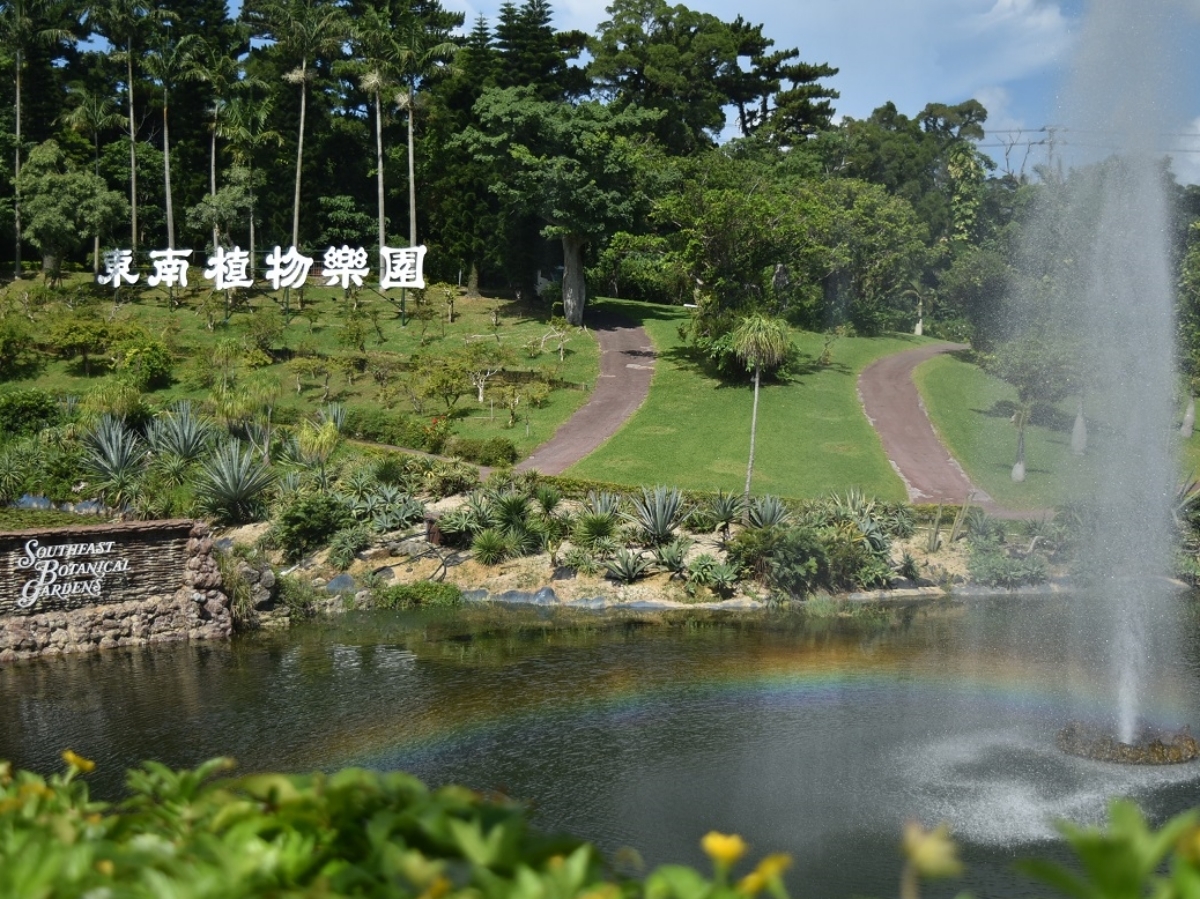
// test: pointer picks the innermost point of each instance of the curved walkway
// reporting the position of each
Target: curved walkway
(894, 408)
(626, 366)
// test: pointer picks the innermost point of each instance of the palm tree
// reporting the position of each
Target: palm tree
(92, 115)
(760, 342)
(22, 26)
(122, 23)
(244, 126)
(170, 61)
(421, 53)
(304, 30)
(222, 72)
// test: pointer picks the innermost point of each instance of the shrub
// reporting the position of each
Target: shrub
(990, 566)
(23, 413)
(345, 543)
(448, 478)
(490, 546)
(430, 594)
(789, 560)
(379, 425)
(492, 451)
(592, 527)
(298, 596)
(309, 521)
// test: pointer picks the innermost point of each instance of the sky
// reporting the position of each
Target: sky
(1014, 56)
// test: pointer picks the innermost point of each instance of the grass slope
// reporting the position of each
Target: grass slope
(971, 411)
(321, 328)
(694, 430)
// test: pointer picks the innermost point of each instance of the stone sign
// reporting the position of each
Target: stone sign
(77, 588)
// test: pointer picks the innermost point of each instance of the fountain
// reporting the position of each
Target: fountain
(1097, 275)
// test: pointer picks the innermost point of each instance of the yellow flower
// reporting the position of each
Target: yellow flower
(78, 762)
(440, 887)
(724, 849)
(765, 873)
(105, 867)
(931, 852)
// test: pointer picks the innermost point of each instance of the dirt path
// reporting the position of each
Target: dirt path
(894, 408)
(626, 365)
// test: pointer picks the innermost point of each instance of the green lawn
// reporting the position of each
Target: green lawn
(321, 328)
(971, 410)
(694, 429)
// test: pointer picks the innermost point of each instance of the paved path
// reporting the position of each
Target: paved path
(626, 365)
(893, 406)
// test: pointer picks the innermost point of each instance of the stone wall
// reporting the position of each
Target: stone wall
(75, 589)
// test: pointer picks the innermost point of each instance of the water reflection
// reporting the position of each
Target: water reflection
(818, 738)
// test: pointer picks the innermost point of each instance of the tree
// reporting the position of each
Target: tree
(123, 24)
(64, 205)
(668, 58)
(93, 114)
(171, 59)
(400, 47)
(760, 342)
(23, 25)
(304, 31)
(574, 165)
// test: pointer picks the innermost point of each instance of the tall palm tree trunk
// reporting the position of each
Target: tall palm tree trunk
(753, 433)
(133, 222)
(17, 175)
(299, 153)
(212, 179)
(379, 170)
(167, 174)
(412, 178)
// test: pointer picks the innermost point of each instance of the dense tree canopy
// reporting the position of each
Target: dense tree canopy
(518, 152)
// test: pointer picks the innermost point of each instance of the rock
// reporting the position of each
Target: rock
(343, 583)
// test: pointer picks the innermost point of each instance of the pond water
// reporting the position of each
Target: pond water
(818, 737)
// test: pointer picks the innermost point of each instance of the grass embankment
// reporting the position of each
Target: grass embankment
(694, 429)
(972, 412)
(320, 331)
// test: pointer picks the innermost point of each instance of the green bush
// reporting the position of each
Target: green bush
(492, 451)
(309, 521)
(380, 425)
(346, 542)
(789, 560)
(23, 413)
(991, 566)
(419, 593)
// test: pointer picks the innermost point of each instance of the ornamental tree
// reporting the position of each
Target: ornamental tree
(575, 166)
(64, 205)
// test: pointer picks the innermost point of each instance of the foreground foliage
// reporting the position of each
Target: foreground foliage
(195, 833)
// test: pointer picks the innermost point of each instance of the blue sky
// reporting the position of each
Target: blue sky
(1012, 55)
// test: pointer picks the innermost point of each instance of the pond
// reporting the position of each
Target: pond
(814, 736)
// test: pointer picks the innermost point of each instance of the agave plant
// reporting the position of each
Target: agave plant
(13, 470)
(334, 414)
(725, 509)
(672, 557)
(627, 566)
(232, 484)
(602, 503)
(115, 460)
(768, 511)
(658, 512)
(359, 484)
(181, 432)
